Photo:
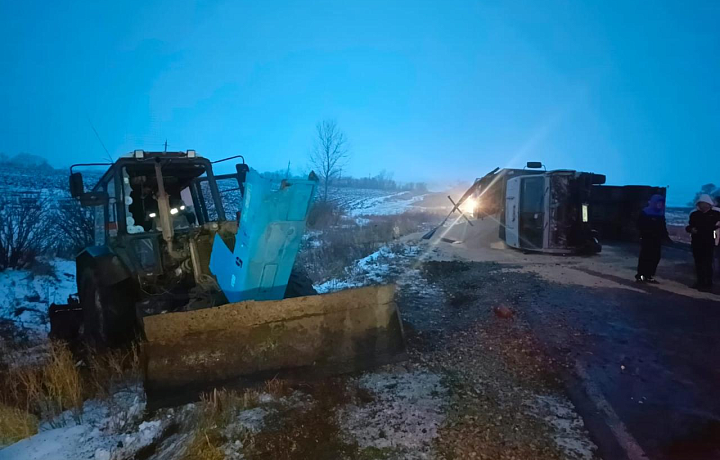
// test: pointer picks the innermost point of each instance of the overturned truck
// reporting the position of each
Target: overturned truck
(542, 211)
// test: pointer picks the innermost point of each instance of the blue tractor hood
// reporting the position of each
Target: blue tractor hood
(272, 223)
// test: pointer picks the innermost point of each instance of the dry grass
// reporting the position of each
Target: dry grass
(204, 448)
(61, 385)
(44, 389)
(307, 432)
(340, 244)
(16, 424)
(216, 410)
(112, 370)
(278, 387)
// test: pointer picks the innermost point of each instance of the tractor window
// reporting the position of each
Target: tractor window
(139, 202)
(231, 197)
(141, 196)
(206, 201)
(99, 225)
(112, 226)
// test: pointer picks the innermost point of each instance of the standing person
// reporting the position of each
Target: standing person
(703, 223)
(716, 268)
(652, 234)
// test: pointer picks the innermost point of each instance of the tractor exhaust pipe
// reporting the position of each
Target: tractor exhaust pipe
(164, 211)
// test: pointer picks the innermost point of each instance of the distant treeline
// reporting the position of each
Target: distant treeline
(381, 181)
(709, 189)
(24, 161)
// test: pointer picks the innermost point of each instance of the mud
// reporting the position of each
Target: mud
(494, 368)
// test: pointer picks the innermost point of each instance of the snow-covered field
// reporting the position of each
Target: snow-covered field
(26, 296)
(370, 202)
(678, 215)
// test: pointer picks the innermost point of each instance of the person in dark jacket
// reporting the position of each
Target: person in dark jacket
(702, 227)
(653, 233)
(716, 267)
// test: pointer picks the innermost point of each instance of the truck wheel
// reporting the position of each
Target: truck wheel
(108, 313)
(299, 285)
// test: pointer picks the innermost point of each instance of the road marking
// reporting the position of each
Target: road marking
(618, 428)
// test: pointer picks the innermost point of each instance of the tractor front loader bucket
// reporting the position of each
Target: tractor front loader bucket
(346, 331)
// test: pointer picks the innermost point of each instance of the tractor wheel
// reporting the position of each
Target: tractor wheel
(299, 285)
(108, 313)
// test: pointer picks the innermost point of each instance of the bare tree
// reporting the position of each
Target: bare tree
(329, 153)
(22, 232)
(73, 227)
(710, 189)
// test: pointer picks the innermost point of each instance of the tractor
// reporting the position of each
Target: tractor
(199, 268)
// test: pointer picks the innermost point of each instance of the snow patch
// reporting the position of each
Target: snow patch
(405, 415)
(569, 430)
(26, 296)
(372, 269)
(253, 420)
(104, 430)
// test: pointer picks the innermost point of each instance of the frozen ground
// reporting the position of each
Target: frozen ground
(405, 416)
(26, 295)
(380, 266)
(105, 429)
(425, 408)
(569, 430)
(416, 410)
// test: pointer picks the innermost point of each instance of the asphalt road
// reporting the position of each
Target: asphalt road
(644, 360)
(654, 356)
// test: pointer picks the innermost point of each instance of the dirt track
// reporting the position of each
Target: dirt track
(640, 362)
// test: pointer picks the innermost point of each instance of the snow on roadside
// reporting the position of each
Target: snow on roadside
(110, 429)
(569, 430)
(26, 296)
(407, 409)
(371, 269)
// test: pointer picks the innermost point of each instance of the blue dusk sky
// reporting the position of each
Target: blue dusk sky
(435, 91)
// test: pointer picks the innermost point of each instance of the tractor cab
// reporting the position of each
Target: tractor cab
(157, 213)
(125, 199)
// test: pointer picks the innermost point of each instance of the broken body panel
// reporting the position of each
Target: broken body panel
(271, 227)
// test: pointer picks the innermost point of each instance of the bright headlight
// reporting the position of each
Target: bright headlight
(152, 215)
(173, 211)
(469, 205)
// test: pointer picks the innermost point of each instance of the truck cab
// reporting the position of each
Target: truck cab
(550, 212)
